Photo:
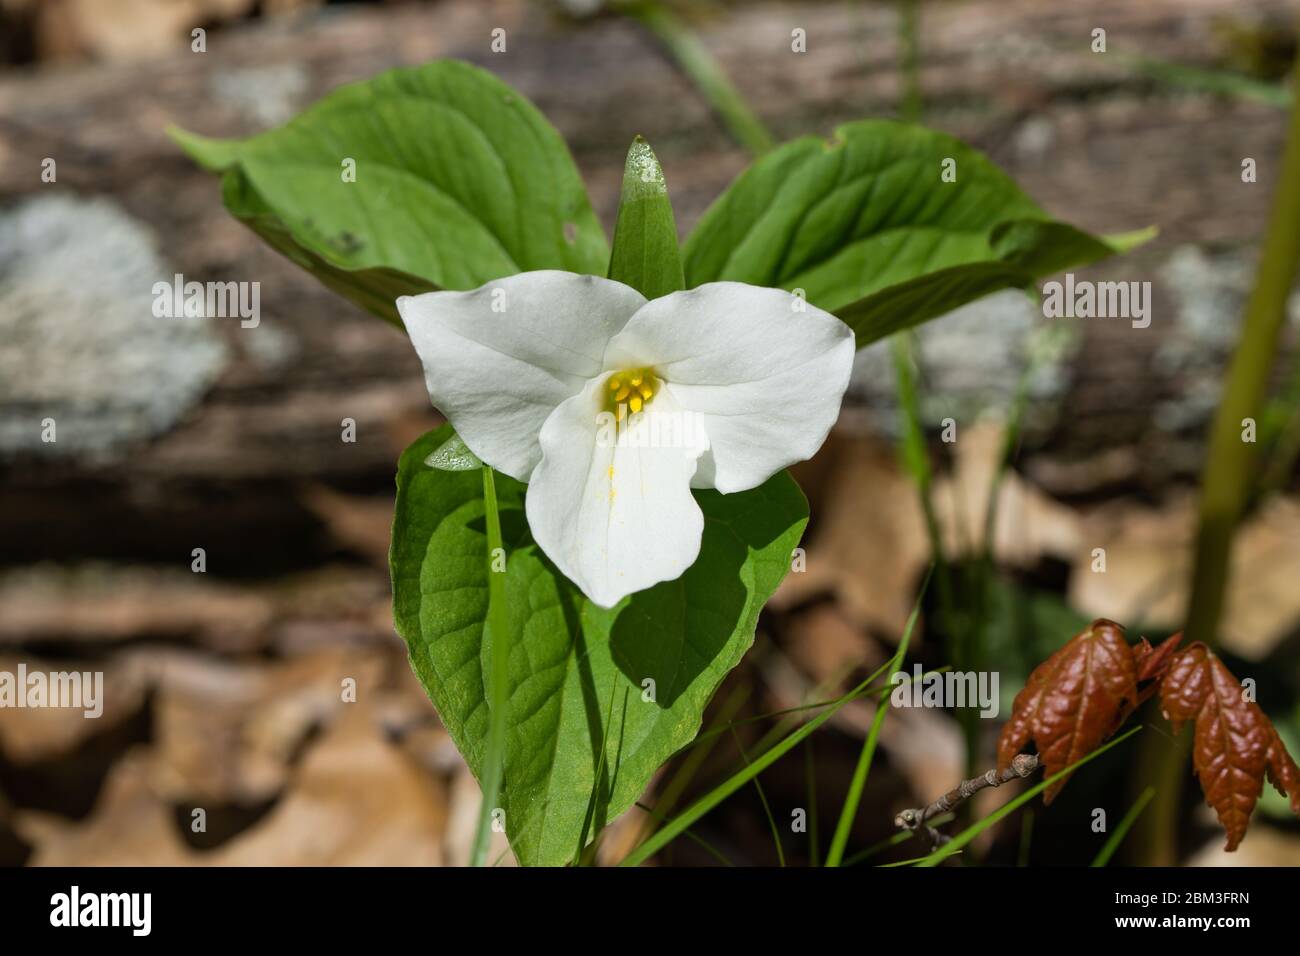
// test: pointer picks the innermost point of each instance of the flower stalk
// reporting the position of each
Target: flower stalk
(499, 689)
(1228, 481)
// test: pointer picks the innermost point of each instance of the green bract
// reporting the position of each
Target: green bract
(458, 180)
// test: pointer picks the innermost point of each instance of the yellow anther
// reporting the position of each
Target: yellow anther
(630, 390)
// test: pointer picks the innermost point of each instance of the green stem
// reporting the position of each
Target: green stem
(496, 632)
(737, 780)
(1231, 468)
(810, 776)
(1116, 838)
(695, 60)
(849, 811)
(917, 459)
(971, 832)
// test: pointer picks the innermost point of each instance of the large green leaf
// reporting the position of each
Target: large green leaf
(459, 180)
(869, 229)
(645, 254)
(374, 288)
(578, 672)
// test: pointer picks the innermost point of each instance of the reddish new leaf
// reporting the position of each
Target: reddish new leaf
(1235, 744)
(1153, 662)
(1073, 701)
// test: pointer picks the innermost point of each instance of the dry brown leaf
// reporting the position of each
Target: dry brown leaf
(102, 604)
(356, 799)
(363, 523)
(28, 735)
(1029, 524)
(1148, 565)
(827, 646)
(126, 28)
(227, 732)
(870, 547)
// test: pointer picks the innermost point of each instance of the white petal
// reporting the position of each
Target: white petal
(613, 516)
(765, 370)
(498, 360)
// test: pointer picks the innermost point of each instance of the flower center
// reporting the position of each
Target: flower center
(630, 390)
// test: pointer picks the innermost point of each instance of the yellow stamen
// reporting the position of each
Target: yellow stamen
(630, 390)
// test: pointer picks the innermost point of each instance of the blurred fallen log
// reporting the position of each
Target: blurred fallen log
(219, 458)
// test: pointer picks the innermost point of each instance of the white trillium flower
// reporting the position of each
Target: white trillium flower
(612, 408)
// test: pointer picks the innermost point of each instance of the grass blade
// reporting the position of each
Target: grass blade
(1026, 836)
(690, 766)
(762, 797)
(850, 809)
(1121, 831)
(695, 60)
(891, 841)
(737, 780)
(810, 778)
(975, 829)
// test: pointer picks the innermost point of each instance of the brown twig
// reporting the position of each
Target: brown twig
(1022, 765)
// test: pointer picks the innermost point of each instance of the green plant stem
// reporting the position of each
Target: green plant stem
(1231, 468)
(1026, 836)
(1116, 838)
(695, 60)
(892, 841)
(971, 832)
(499, 691)
(916, 456)
(694, 759)
(810, 776)
(1221, 82)
(762, 798)
(693, 837)
(704, 804)
(1231, 464)
(849, 811)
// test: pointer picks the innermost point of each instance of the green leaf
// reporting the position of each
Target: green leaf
(869, 229)
(458, 180)
(704, 804)
(569, 658)
(374, 289)
(645, 254)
